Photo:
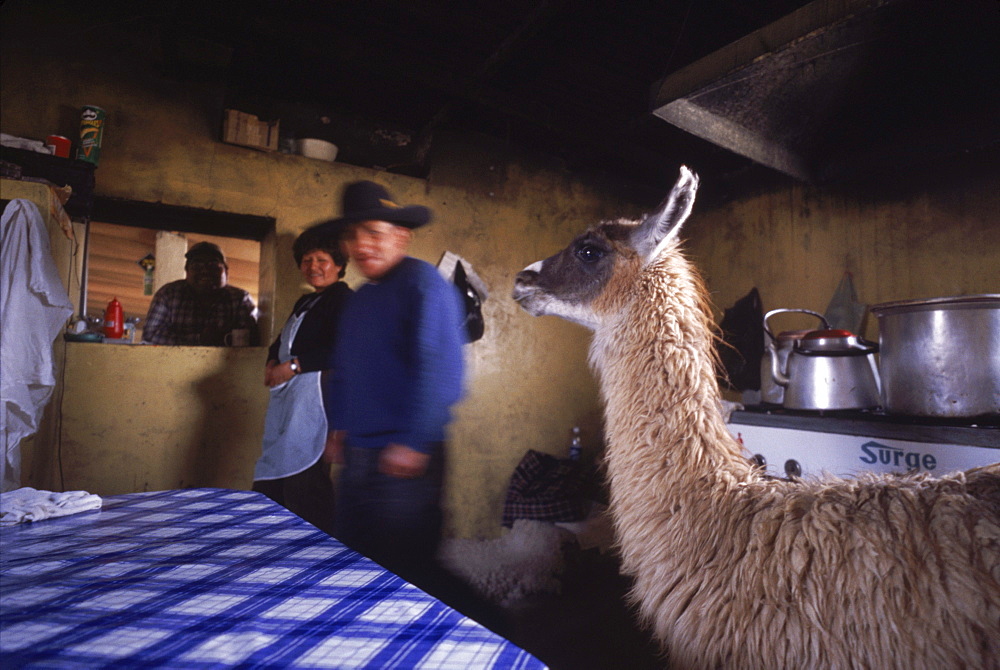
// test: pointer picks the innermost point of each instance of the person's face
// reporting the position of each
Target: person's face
(206, 275)
(319, 269)
(376, 247)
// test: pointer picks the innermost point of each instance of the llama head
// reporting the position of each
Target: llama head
(586, 281)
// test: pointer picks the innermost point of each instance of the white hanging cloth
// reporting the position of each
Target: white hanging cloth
(34, 307)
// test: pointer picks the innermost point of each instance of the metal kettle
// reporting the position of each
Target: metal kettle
(827, 369)
(771, 392)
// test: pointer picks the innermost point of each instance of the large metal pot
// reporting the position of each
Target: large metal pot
(940, 357)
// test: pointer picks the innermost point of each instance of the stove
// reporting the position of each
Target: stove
(798, 443)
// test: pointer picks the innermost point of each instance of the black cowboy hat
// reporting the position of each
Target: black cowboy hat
(368, 201)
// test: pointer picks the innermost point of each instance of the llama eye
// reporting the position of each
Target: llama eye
(588, 253)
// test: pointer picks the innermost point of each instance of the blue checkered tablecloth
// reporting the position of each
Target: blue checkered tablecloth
(215, 578)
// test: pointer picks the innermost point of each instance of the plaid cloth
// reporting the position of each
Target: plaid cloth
(215, 578)
(179, 315)
(544, 488)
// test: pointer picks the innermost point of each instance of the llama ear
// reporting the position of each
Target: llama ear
(663, 225)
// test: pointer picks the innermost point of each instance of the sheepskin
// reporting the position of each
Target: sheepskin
(527, 560)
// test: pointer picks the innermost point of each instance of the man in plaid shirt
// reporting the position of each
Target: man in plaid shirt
(200, 309)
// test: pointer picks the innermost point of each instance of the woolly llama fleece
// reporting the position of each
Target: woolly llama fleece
(733, 569)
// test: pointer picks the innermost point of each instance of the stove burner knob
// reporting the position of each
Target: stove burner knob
(792, 468)
(759, 460)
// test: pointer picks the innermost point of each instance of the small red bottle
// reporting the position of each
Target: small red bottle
(114, 320)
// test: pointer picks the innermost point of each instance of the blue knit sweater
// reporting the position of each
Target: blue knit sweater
(398, 361)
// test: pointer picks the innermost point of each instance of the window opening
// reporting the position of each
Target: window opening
(114, 268)
(124, 235)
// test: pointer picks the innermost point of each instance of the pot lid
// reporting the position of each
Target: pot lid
(979, 301)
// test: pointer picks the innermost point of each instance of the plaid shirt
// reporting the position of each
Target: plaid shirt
(180, 315)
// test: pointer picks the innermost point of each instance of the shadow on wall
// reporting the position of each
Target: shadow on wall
(227, 429)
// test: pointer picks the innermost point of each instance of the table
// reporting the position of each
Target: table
(214, 578)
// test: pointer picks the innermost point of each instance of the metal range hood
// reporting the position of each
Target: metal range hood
(847, 89)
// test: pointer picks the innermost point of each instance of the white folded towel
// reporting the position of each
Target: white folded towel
(28, 504)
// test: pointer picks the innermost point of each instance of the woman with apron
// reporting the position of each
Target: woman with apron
(289, 470)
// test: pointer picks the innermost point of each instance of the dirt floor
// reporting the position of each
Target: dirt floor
(589, 626)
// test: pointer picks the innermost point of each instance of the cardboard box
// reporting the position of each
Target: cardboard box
(247, 130)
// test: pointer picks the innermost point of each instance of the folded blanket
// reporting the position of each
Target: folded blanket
(28, 504)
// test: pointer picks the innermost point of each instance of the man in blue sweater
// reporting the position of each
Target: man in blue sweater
(397, 369)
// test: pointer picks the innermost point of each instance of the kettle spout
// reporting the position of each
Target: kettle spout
(779, 376)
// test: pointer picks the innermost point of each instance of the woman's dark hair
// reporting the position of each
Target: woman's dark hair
(312, 240)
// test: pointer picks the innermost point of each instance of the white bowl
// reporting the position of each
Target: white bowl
(314, 148)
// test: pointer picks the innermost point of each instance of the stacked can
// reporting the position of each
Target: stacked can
(91, 132)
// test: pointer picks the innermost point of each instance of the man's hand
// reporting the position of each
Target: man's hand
(333, 450)
(402, 462)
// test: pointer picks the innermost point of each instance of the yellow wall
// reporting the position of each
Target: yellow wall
(148, 418)
(938, 236)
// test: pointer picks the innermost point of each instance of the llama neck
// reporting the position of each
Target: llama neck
(668, 448)
(659, 385)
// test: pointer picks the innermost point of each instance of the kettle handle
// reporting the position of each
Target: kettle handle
(826, 324)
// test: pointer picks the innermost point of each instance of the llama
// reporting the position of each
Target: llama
(733, 569)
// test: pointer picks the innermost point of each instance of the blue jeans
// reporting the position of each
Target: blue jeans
(395, 522)
(398, 524)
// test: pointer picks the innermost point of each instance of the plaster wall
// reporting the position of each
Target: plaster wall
(149, 418)
(934, 236)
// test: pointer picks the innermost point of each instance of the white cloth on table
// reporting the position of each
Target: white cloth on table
(34, 307)
(28, 504)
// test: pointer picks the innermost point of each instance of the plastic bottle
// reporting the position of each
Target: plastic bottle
(114, 320)
(574, 444)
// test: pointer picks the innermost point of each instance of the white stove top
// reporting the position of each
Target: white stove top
(801, 445)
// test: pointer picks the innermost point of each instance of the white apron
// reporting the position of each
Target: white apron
(295, 423)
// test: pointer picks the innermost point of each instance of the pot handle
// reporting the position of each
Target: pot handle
(867, 345)
(826, 324)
